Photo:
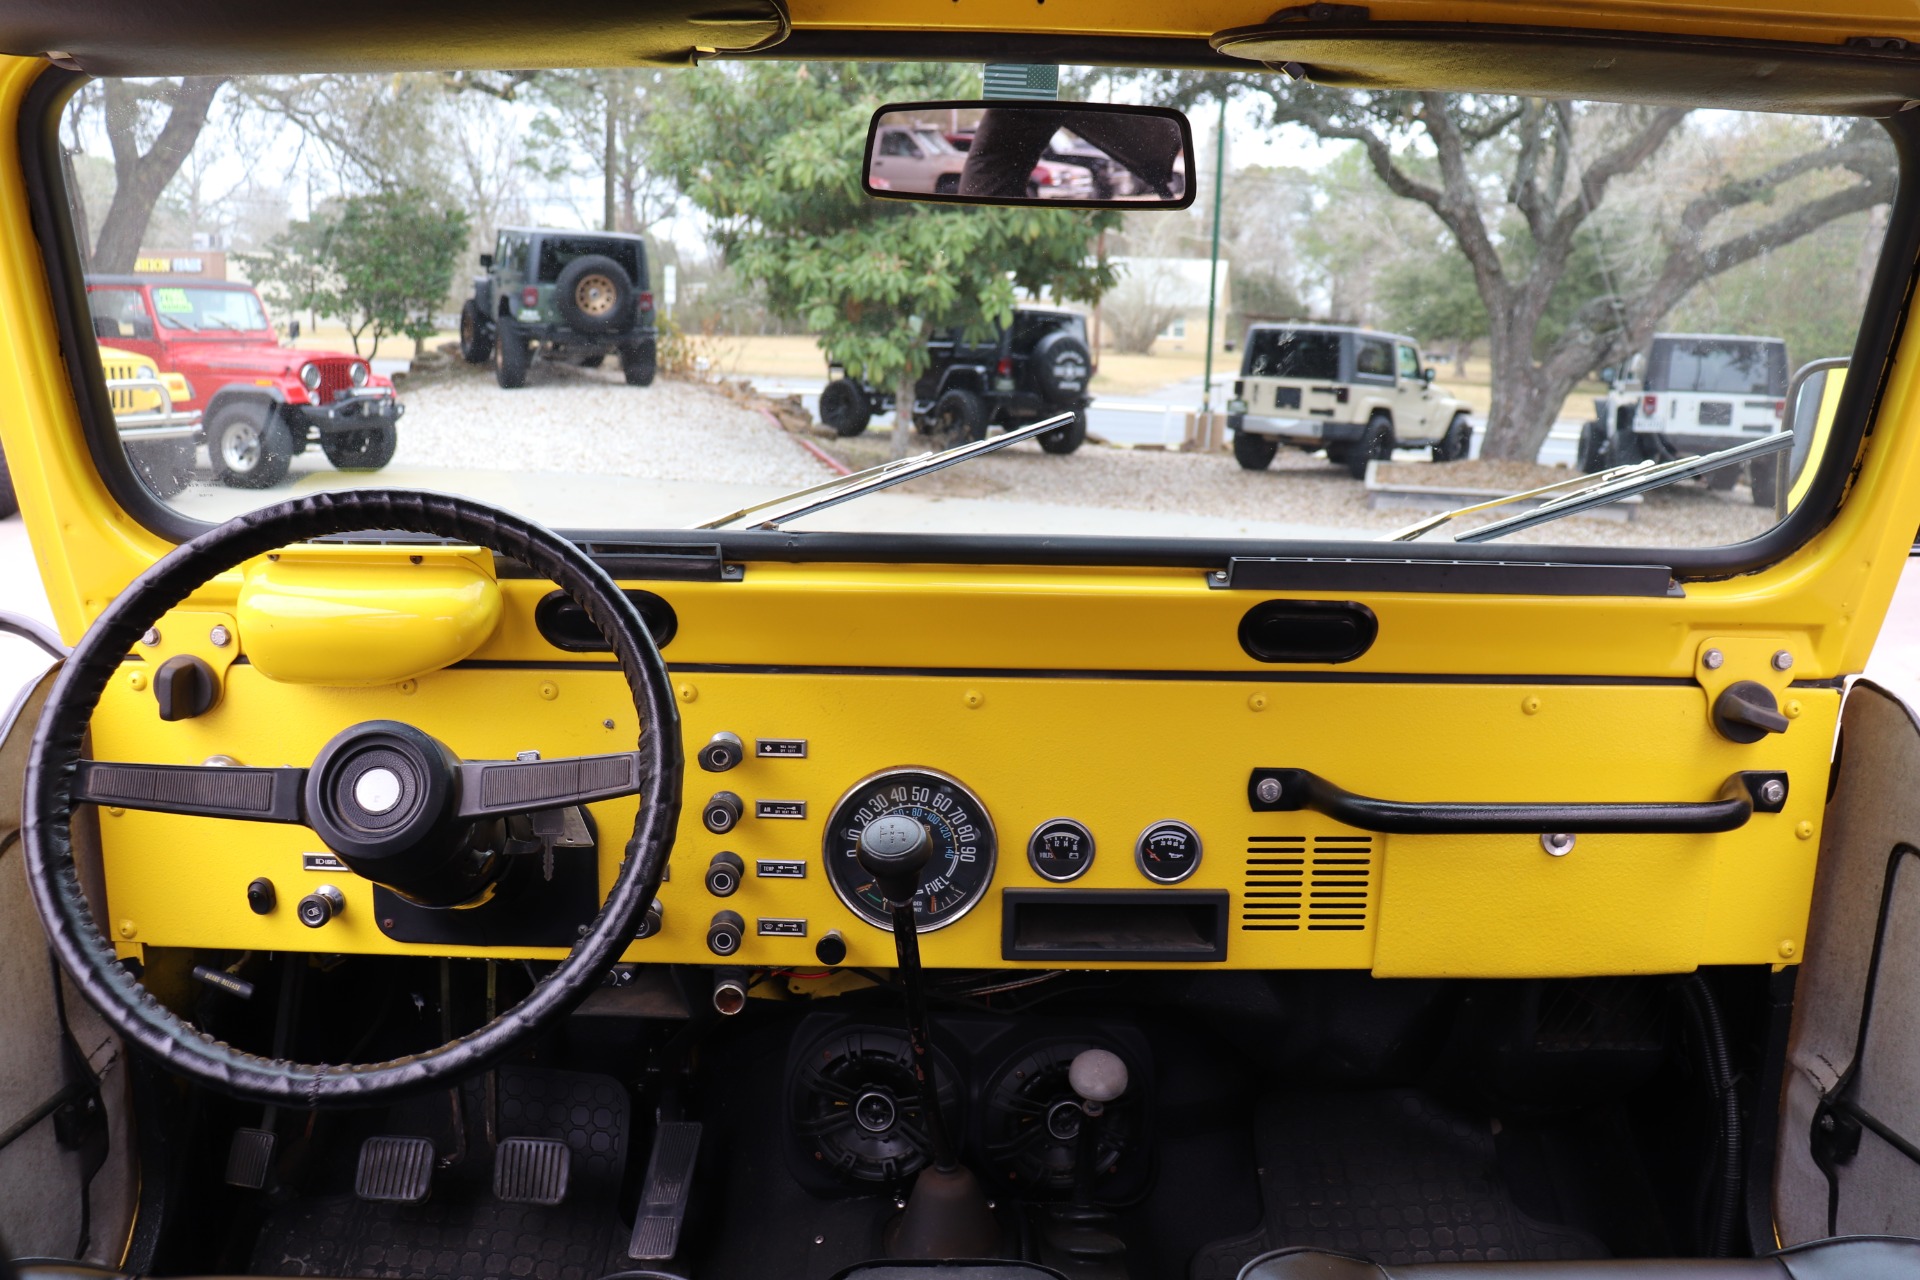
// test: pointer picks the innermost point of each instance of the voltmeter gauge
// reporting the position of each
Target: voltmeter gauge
(1060, 849)
(1168, 852)
(961, 868)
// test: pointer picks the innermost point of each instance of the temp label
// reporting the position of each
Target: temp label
(779, 808)
(771, 927)
(780, 748)
(321, 862)
(770, 869)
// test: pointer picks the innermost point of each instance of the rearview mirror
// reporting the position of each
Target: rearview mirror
(1066, 155)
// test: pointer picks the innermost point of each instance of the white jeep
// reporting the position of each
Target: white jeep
(1691, 393)
(1356, 393)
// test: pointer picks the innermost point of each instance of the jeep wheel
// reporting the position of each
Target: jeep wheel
(594, 294)
(368, 449)
(1375, 442)
(1626, 448)
(1457, 442)
(958, 415)
(476, 335)
(638, 363)
(1061, 367)
(166, 466)
(1064, 440)
(593, 361)
(1254, 452)
(250, 446)
(1595, 451)
(512, 354)
(844, 407)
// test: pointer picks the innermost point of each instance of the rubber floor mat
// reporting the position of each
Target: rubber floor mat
(1392, 1176)
(463, 1232)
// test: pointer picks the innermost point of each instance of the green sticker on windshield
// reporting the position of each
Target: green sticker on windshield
(171, 300)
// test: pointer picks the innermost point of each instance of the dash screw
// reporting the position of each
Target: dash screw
(1713, 659)
(1558, 844)
(1783, 661)
(220, 637)
(1773, 791)
(151, 638)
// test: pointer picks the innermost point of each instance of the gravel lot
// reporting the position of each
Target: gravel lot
(1299, 488)
(568, 419)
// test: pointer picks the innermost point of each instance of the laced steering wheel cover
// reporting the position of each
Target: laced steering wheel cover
(87, 954)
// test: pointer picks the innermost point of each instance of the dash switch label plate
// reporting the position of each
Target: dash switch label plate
(779, 808)
(780, 748)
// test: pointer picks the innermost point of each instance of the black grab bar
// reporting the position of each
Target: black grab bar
(1291, 790)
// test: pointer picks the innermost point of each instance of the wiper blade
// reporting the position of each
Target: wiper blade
(1640, 479)
(819, 497)
(1583, 480)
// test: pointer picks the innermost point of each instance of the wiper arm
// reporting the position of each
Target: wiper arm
(819, 497)
(1640, 479)
(1582, 480)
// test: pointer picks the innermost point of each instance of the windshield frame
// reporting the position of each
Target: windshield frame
(1881, 326)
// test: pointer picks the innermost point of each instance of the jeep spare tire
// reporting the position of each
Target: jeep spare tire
(844, 407)
(1061, 367)
(594, 294)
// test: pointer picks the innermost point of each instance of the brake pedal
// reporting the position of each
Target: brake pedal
(394, 1170)
(663, 1199)
(249, 1158)
(531, 1171)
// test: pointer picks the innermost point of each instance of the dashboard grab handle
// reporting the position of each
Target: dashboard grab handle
(207, 791)
(1743, 795)
(494, 788)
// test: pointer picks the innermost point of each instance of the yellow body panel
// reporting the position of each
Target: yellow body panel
(365, 615)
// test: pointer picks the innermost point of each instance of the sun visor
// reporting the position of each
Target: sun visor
(1862, 77)
(243, 37)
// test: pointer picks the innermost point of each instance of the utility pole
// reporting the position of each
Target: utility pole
(1213, 262)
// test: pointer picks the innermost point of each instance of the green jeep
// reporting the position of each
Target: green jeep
(573, 296)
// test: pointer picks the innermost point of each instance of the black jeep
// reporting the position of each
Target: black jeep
(572, 296)
(1037, 366)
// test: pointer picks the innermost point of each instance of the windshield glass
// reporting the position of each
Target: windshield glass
(640, 299)
(221, 310)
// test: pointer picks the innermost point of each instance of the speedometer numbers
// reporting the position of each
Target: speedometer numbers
(957, 875)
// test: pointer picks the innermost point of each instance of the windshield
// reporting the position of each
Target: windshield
(636, 300)
(219, 310)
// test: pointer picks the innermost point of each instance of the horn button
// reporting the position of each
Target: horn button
(382, 796)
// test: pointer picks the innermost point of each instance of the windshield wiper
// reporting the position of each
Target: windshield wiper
(804, 502)
(1596, 491)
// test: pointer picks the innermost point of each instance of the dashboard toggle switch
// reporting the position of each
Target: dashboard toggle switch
(723, 751)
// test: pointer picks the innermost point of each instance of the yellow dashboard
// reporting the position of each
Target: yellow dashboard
(1061, 776)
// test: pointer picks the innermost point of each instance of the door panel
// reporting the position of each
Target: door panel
(1850, 1138)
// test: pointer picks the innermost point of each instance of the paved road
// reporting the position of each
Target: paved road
(1159, 417)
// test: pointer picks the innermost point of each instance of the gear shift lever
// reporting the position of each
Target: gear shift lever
(947, 1214)
(1097, 1077)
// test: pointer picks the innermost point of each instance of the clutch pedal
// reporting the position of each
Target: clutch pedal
(394, 1170)
(663, 1199)
(249, 1158)
(531, 1171)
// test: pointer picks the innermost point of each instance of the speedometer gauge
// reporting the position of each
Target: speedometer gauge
(958, 873)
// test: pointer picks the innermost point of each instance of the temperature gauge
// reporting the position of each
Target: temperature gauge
(1168, 852)
(1060, 849)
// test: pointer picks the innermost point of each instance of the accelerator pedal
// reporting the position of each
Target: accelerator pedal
(531, 1171)
(249, 1158)
(663, 1200)
(394, 1170)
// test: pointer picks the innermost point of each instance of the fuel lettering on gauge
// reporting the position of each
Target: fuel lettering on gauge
(1060, 849)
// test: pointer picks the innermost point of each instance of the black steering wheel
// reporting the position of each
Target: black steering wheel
(420, 827)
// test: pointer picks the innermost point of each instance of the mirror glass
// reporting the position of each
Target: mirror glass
(1063, 154)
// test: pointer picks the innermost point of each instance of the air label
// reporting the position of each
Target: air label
(779, 808)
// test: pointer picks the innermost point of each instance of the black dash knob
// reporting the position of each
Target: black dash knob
(723, 751)
(185, 687)
(261, 897)
(725, 933)
(831, 949)
(722, 813)
(724, 874)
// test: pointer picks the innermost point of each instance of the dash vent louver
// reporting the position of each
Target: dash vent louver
(1322, 884)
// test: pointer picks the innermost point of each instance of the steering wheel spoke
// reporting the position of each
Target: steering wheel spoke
(207, 791)
(495, 788)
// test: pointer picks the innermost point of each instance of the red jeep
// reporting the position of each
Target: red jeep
(261, 403)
